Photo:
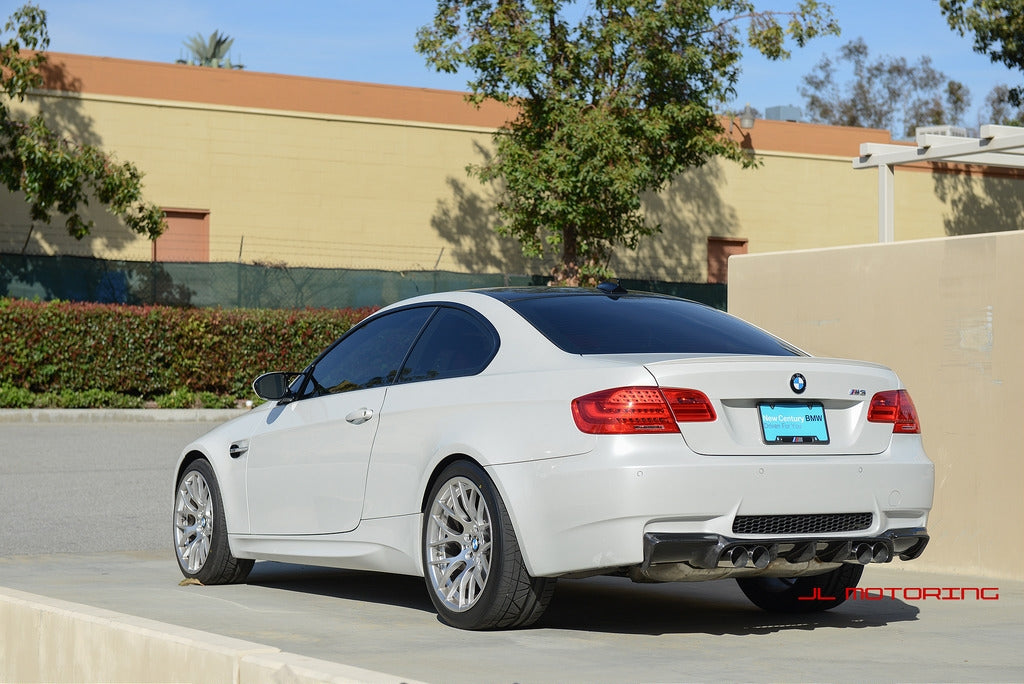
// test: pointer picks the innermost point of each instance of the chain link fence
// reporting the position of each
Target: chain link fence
(236, 285)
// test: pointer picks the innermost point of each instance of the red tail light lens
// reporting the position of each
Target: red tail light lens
(896, 407)
(689, 406)
(631, 410)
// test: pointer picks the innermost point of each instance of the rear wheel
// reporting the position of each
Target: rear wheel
(200, 532)
(474, 570)
(802, 594)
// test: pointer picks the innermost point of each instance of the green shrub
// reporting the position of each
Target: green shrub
(86, 399)
(130, 354)
(15, 397)
(184, 398)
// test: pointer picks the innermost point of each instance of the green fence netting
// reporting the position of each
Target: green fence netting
(235, 285)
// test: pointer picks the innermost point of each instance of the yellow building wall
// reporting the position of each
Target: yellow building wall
(286, 187)
(301, 184)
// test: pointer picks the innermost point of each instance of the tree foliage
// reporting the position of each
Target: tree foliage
(1000, 110)
(887, 92)
(998, 28)
(612, 100)
(210, 52)
(55, 174)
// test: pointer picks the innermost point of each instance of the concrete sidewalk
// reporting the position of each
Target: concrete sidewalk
(117, 415)
(597, 630)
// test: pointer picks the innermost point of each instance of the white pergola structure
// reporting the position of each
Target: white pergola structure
(997, 146)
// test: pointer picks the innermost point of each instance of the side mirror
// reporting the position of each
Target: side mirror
(273, 386)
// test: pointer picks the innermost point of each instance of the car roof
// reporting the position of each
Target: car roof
(512, 294)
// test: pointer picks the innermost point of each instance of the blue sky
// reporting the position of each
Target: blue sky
(372, 40)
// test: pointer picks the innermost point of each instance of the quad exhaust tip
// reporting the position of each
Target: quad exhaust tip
(755, 556)
(872, 553)
(759, 556)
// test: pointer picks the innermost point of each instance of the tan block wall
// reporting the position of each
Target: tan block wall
(948, 316)
(338, 174)
(295, 188)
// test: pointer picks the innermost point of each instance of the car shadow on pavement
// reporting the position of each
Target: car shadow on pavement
(608, 604)
(353, 585)
(601, 604)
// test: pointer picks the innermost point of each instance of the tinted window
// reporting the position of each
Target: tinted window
(455, 343)
(370, 355)
(597, 324)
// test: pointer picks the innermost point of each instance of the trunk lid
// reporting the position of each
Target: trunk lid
(739, 385)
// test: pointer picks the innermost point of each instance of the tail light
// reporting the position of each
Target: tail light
(631, 410)
(896, 407)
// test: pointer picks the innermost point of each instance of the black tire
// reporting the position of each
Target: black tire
(802, 594)
(199, 531)
(484, 555)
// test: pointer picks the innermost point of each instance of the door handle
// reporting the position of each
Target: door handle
(359, 416)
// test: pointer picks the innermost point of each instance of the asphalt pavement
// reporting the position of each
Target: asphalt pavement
(87, 504)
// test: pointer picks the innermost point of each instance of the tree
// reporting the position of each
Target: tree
(210, 52)
(606, 107)
(998, 27)
(1000, 111)
(886, 93)
(54, 173)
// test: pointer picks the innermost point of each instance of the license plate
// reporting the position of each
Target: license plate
(791, 423)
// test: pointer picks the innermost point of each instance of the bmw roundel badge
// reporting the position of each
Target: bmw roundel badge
(798, 383)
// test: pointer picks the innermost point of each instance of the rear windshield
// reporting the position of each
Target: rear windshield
(599, 324)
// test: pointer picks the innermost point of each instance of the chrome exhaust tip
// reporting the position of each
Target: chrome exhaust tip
(880, 553)
(760, 557)
(737, 556)
(863, 553)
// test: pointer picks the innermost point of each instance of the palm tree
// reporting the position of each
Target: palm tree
(210, 52)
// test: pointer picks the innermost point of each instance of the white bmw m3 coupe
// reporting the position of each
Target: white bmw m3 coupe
(494, 441)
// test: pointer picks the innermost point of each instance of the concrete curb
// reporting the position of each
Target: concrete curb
(45, 639)
(117, 415)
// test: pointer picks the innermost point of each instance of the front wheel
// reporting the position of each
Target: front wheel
(474, 570)
(200, 532)
(802, 594)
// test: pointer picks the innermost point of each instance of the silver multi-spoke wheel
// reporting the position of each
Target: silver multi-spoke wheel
(474, 569)
(459, 544)
(201, 531)
(193, 521)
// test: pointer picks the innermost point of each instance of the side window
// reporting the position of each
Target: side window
(369, 356)
(455, 343)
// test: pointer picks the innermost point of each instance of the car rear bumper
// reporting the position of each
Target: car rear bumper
(637, 501)
(711, 556)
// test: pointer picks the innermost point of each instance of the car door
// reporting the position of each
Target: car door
(306, 469)
(435, 400)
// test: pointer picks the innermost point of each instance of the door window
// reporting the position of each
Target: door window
(455, 344)
(370, 355)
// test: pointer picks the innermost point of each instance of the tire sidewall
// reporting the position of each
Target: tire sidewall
(483, 611)
(775, 595)
(219, 551)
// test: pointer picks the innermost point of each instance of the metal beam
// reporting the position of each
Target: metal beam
(943, 148)
(998, 146)
(886, 204)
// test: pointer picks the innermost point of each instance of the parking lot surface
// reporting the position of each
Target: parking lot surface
(596, 630)
(87, 509)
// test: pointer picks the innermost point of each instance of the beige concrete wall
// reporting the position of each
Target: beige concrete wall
(48, 640)
(948, 316)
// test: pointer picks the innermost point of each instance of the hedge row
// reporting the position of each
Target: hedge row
(155, 351)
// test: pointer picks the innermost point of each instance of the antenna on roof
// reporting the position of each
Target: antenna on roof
(612, 288)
